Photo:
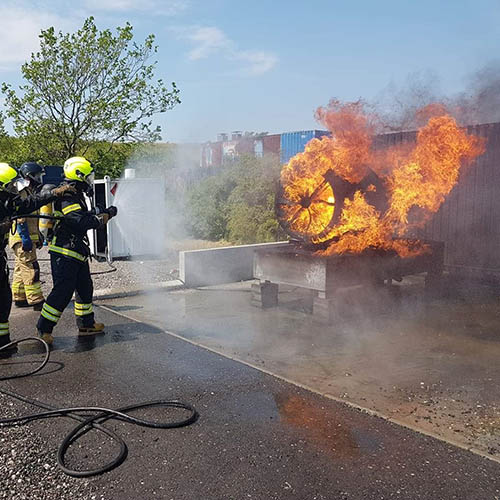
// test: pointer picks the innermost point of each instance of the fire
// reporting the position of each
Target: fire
(344, 191)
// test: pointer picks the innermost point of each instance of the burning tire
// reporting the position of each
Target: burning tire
(309, 211)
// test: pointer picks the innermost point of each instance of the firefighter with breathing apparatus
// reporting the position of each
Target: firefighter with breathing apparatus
(24, 240)
(15, 204)
(70, 252)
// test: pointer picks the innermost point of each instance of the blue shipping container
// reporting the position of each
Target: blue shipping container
(295, 142)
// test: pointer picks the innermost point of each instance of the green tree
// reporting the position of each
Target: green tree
(237, 203)
(85, 88)
(110, 160)
(208, 209)
(12, 148)
(251, 217)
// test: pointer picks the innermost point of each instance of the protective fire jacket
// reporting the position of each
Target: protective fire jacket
(11, 206)
(70, 233)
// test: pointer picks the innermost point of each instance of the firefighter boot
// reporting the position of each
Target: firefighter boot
(91, 330)
(21, 303)
(38, 306)
(46, 337)
(8, 351)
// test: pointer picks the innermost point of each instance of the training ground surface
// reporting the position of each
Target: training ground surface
(257, 437)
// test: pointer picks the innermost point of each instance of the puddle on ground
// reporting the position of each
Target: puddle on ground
(325, 430)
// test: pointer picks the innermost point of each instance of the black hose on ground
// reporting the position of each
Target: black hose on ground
(111, 269)
(88, 417)
(55, 218)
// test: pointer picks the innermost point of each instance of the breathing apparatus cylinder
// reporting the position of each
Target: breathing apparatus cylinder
(45, 226)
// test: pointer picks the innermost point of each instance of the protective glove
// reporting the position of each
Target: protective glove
(23, 231)
(5, 226)
(63, 190)
(26, 243)
(111, 211)
(103, 218)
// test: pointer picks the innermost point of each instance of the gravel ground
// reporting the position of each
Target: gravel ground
(128, 272)
(28, 468)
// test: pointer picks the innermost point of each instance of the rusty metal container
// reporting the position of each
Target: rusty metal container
(271, 144)
(468, 221)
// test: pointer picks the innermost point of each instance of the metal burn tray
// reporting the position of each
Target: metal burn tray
(298, 266)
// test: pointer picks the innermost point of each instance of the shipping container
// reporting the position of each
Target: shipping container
(258, 147)
(271, 144)
(292, 143)
(211, 155)
(468, 221)
(229, 151)
(245, 146)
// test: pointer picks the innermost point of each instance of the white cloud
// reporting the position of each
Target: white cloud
(21, 21)
(162, 7)
(259, 62)
(210, 40)
(207, 40)
(19, 30)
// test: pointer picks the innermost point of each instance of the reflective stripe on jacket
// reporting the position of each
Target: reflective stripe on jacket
(70, 233)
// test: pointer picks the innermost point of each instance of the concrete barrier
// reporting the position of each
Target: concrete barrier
(215, 266)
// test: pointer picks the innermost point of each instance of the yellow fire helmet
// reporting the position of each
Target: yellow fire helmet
(7, 176)
(77, 168)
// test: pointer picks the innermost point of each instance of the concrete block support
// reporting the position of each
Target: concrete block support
(265, 294)
(325, 310)
(215, 266)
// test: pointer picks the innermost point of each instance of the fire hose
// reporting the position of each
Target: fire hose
(112, 268)
(89, 417)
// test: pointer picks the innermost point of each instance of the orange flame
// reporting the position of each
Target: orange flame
(416, 179)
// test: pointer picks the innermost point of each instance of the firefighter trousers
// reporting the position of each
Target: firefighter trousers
(69, 276)
(26, 284)
(5, 295)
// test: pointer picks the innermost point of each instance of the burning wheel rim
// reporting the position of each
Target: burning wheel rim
(307, 211)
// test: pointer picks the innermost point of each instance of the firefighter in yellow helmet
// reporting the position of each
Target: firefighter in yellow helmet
(12, 204)
(24, 240)
(69, 252)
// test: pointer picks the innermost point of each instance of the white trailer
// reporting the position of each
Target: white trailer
(138, 229)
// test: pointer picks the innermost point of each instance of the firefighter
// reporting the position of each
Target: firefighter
(24, 240)
(12, 204)
(69, 252)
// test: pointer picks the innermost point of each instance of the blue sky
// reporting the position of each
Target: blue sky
(266, 65)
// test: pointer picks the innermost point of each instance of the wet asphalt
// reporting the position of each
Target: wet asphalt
(257, 437)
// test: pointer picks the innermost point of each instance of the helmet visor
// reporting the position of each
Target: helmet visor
(90, 179)
(38, 177)
(22, 184)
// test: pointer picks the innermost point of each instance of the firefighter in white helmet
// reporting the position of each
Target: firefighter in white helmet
(69, 253)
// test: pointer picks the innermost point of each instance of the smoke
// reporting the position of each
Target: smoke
(397, 106)
(142, 216)
(150, 198)
(480, 102)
